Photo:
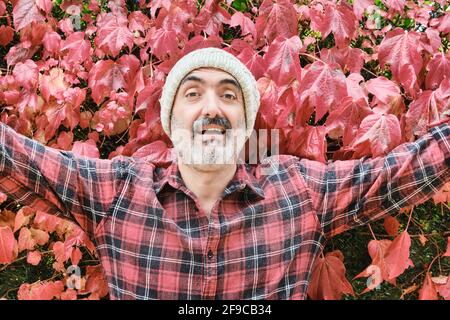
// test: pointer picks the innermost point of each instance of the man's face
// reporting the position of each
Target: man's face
(208, 118)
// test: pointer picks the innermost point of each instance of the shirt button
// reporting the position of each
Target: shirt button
(210, 254)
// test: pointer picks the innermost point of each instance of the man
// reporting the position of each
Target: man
(208, 227)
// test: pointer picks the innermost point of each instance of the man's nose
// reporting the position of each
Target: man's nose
(211, 106)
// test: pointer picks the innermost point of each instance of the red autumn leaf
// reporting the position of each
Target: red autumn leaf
(45, 5)
(308, 143)
(8, 245)
(422, 112)
(282, 61)
(61, 251)
(359, 6)
(34, 257)
(328, 279)
(6, 35)
(108, 75)
(345, 120)
(45, 221)
(423, 240)
(23, 217)
(397, 5)
(3, 197)
(7, 219)
(378, 269)
(268, 91)
(2, 8)
(87, 148)
(397, 255)
(444, 23)
(53, 84)
(276, 19)
(113, 33)
(26, 241)
(211, 18)
(387, 96)
(401, 50)
(338, 19)
(96, 281)
(377, 135)
(41, 237)
(428, 290)
(442, 284)
(25, 12)
(253, 61)
(52, 42)
(322, 85)
(350, 59)
(26, 74)
(76, 256)
(65, 140)
(46, 290)
(154, 5)
(245, 23)
(438, 68)
(163, 42)
(77, 47)
(443, 195)
(391, 225)
(69, 294)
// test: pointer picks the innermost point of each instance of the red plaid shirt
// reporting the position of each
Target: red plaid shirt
(155, 242)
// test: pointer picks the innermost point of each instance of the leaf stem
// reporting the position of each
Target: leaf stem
(371, 231)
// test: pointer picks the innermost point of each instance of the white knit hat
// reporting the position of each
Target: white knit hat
(212, 58)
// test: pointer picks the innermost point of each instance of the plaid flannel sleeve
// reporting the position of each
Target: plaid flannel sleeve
(58, 182)
(351, 193)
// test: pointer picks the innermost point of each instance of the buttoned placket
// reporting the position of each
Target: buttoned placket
(210, 255)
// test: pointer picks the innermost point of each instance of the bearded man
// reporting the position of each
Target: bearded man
(209, 226)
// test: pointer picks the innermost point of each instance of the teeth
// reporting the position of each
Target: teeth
(217, 131)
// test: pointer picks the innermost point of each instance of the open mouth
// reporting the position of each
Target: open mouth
(213, 129)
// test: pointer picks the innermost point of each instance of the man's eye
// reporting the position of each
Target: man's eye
(191, 94)
(229, 96)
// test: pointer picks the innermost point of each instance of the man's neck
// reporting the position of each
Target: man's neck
(207, 183)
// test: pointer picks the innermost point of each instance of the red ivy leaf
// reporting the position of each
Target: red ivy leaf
(438, 68)
(397, 255)
(338, 19)
(8, 245)
(401, 50)
(328, 280)
(428, 290)
(6, 35)
(391, 225)
(25, 12)
(34, 257)
(282, 61)
(46, 290)
(323, 85)
(113, 33)
(377, 135)
(276, 19)
(87, 148)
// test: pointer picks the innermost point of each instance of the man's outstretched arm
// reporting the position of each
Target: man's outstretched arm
(351, 193)
(58, 182)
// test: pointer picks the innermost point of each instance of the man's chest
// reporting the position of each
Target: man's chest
(167, 248)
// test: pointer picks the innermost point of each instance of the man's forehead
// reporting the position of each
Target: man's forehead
(199, 74)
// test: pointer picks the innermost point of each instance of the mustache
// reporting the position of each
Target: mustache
(220, 121)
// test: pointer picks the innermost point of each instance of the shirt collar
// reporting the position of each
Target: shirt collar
(244, 178)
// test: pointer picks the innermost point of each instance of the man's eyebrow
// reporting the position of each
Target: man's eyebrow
(221, 82)
(192, 78)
